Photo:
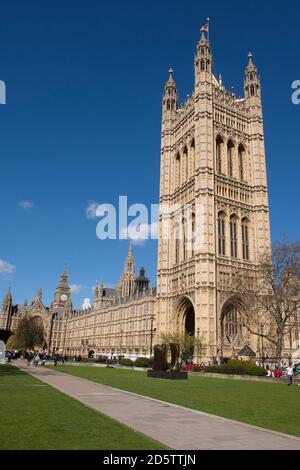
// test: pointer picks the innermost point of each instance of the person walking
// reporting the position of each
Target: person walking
(298, 373)
(290, 373)
(37, 359)
(29, 358)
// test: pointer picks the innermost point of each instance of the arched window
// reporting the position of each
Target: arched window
(177, 240)
(219, 151)
(230, 149)
(241, 163)
(245, 239)
(221, 234)
(193, 233)
(177, 170)
(186, 163)
(202, 65)
(192, 159)
(233, 237)
(231, 326)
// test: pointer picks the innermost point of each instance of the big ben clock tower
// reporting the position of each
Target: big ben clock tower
(62, 297)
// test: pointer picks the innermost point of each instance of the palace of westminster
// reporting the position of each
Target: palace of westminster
(213, 156)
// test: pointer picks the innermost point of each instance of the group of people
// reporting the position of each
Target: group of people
(35, 358)
(290, 372)
(59, 359)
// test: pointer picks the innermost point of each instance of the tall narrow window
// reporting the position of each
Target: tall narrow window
(219, 149)
(193, 233)
(233, 236)
(230, 149)
(241, 163)
(186, 164)
(177, 240)
(192, 157)
(245, 239)
(185, 244)
(177, 170)
(221, 234)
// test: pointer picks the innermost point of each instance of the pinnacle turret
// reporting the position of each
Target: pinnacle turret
(251, 79)
(170, 98)
(203, 58)
(7, 301)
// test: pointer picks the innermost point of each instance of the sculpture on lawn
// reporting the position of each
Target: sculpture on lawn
(161, 357)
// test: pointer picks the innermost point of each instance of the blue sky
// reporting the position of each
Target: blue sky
(82, 121)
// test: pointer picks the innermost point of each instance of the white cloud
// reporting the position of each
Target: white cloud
(91, 209)
(6, 267)
(139, 234)
(76, 288)
(26, 205)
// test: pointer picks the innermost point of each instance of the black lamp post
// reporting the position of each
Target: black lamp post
(262, 346)
(151, 336)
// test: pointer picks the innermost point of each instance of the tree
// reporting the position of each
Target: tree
(29, 333)
(11, 343)
(189, 345)
(270, 300)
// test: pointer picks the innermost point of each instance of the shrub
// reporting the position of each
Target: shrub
(143, 362)
(127, 362)
(197, 368)
(237, 368)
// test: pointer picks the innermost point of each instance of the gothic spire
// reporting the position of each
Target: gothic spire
(129, 263)
(64, 278)
(8, 297)
(39, 296)
(251, 79)
(170, 98)
(203, 57)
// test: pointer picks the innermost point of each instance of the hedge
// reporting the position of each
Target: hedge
(236, 368)
(143, 362)
(127, 362)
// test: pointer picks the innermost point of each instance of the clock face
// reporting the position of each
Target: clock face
(63, 297)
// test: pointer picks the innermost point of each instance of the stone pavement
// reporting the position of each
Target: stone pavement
(177, 427)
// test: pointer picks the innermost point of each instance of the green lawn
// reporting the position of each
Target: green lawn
(36, 416)
(271, 406)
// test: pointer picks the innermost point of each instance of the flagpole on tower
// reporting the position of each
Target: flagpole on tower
(208, 27)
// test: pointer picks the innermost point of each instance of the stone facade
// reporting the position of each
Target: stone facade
(121, 321)
(213, 183)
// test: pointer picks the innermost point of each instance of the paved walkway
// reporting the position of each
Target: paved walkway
(177, 427)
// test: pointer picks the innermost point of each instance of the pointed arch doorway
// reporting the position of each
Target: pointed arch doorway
(185, 314)
(189, 320)
(186, 322)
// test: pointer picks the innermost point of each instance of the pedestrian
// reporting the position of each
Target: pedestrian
(298, 374)
(290, 373)
(37, 360)
(28, 357)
